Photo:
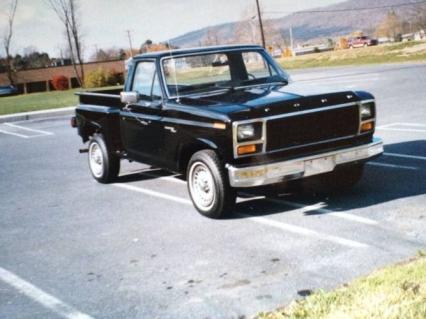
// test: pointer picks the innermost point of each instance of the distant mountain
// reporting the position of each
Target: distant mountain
(306, 25)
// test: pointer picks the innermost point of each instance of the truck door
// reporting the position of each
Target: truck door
(141, 128)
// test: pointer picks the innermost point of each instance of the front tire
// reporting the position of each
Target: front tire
(208, 185)
(103, 165)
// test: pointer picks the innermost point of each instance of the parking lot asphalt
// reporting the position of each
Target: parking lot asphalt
(73, 248)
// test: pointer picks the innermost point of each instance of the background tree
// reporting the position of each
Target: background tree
(418, 17)
(211, 38)
(110, 54)
(391, 26)
(247, 30)
(31, 60)
(66, 10)
(7, 39)
(145, 47)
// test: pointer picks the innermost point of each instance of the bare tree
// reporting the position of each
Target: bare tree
(66, 12)
(246, 30)
(390, 26)
(7, 39)
(418, 17)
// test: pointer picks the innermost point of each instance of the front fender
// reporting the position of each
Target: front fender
(188, 149)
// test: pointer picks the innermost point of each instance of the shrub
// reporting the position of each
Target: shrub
(116, 78)
(60, 83)
(101, 77)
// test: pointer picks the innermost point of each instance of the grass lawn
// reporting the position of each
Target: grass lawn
(394, 292)
(390, 53)
(39, 101)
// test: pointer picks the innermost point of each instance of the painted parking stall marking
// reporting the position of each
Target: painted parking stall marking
(154, 193)
(319, 207)
(403, 127)
(415, 157)
(380, 164)
(304, 231)
(260, 220)
(41, 297)
(22, 131)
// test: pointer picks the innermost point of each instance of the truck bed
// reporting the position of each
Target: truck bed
(98, 112)
(109, 97)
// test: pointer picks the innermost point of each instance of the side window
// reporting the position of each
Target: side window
(146, 82)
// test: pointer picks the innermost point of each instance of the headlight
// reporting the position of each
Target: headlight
(366, 111)
(245, 132)
(249, 132)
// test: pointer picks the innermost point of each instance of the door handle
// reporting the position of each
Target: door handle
(143, 122)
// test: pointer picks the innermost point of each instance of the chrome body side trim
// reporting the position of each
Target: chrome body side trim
(258, 175)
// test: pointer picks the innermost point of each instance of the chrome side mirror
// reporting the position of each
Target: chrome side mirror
(129, 97)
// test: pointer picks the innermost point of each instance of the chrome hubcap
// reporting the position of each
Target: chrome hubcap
(96, 160)
(202, 186)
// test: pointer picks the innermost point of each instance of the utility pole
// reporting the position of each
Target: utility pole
(259, 16)
(130, 42)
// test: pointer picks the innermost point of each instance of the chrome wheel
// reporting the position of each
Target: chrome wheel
(202, 186)
(96, 159)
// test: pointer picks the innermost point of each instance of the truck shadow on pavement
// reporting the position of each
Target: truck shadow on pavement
(406, 177)
(399, 178)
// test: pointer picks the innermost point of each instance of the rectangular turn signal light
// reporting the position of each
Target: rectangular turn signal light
(246, 149)
(365, 127)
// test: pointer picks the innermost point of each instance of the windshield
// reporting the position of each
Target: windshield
(206, 73)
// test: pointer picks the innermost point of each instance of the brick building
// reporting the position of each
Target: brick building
(39, 80)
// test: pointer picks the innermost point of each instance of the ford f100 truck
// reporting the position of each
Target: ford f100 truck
(227, 118)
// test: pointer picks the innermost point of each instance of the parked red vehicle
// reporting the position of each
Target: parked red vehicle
(363, 41)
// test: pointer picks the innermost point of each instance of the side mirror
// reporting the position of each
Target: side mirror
(129, 97)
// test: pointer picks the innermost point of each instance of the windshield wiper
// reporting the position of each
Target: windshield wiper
(206, 91)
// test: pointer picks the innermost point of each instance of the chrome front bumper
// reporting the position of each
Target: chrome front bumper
(301, 167)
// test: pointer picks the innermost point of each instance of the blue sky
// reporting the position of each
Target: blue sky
(104, 22)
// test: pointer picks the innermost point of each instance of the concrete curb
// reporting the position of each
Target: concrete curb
(37, 114)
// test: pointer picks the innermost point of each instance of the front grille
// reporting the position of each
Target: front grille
(299, 130)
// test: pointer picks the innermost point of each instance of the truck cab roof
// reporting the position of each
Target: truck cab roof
(168, 53)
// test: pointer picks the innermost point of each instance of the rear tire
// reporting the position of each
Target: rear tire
(103, 164)
(342, 179)
(208, 185)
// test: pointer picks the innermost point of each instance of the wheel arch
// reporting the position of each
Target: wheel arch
(188, 149)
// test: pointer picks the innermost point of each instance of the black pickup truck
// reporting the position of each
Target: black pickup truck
(227, 118)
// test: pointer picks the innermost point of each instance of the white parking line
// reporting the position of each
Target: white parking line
(154, 193)
(305, 208)
(50, 302)
(423, 158)
(401, 129)
(28, 129)
(412, 127)
(304, 231)
(409, 124)
(14, 134)
(287, 227)
(392, 165)
(319, 207)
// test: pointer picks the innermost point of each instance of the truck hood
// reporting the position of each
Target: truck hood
(263, 101)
